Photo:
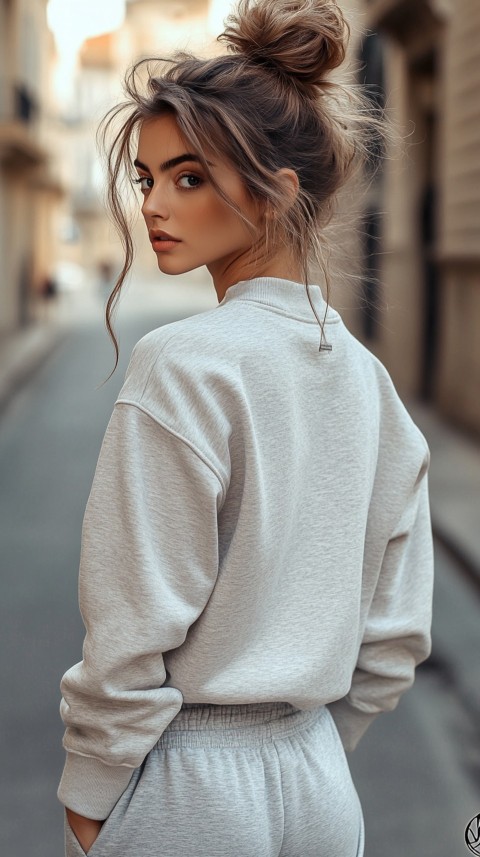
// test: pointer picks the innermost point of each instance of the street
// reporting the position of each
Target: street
(417, 770)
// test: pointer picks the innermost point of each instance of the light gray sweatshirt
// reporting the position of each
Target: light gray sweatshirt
(258, 528)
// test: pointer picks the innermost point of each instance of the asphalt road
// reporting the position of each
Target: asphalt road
(417, 770)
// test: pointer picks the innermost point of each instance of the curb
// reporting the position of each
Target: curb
(454, 483)
(463, 556)
(25, 355)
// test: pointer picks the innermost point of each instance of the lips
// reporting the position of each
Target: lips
(160, 235)
(162, 241)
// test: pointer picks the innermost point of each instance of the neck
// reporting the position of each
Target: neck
(279, 264)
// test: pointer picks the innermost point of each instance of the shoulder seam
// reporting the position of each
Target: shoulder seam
(176, 434)
(152, 367)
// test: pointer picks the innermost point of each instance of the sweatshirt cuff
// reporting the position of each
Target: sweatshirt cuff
(351, 723)
(91, 788)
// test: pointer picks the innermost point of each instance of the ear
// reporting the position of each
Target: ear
(290, 182)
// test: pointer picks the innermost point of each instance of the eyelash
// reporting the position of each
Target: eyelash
(191, 176)
(183, 176)
(140, 180)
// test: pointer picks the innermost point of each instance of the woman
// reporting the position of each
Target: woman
(256, 566)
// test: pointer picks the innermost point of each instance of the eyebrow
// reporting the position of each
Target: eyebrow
(173, 162)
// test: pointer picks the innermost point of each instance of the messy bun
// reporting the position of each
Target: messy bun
(264, 105)
(304, 39)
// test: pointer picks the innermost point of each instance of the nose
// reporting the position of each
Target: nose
(155, 204)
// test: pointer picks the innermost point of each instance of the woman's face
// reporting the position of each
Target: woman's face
(180, 203)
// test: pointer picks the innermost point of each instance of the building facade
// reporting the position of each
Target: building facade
(29, 184)
(419, 291)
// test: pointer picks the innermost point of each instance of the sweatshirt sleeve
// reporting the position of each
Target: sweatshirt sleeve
(397, 635)
(148, 564)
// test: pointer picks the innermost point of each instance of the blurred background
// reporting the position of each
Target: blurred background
(410, 292)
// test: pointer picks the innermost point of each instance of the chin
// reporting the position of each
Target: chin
(172, 267)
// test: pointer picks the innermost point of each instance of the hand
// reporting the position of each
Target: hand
(85, 829)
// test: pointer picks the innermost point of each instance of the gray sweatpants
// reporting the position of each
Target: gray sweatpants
(260, 780)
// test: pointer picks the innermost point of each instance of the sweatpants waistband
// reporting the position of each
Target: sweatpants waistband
(206, 724)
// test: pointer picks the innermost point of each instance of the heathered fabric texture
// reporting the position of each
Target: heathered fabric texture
(258, 529)
(268, 780)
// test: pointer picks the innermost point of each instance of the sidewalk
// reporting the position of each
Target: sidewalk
(454, 481)
(23, 352)
(454, 476)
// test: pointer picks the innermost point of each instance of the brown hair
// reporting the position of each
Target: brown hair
(265, 105)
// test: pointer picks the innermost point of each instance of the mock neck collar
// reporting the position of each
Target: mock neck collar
(284, 295)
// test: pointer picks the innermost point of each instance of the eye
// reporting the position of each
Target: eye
(141, 182)
(189, 181)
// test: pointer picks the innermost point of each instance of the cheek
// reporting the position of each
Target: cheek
(210, 208)
(217, 218)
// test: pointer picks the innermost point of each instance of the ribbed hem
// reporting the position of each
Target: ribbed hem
(350, 722)
(90, 787)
